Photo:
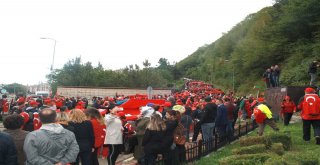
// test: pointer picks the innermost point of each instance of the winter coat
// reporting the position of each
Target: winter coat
(113, 130)
(18, 136)
(49, 145)
(8, 152)
(99, 131)
(84, 135)
(152, 141)
(141, 126)
(210, 113)
(230, 110)
(288, 107)
(168, 139)
(222, 117)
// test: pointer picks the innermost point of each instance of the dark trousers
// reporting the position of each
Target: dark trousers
(150, 159)
(84, 157)
(196, 131)
(287, 118)
(269, 122)
(307, 128)
(114, 151)
(95, 157)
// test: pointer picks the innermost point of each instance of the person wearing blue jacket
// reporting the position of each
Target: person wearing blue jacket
(221, 119)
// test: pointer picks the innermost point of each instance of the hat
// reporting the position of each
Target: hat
(121, 114)
(150, 104)
(260, 99)
(167, 104)
(179, 102)
(179, 108)
(33, 103)
(309, 90)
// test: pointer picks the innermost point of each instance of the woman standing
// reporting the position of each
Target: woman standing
(288, 107)
(152, 140)
(113, 134)
(83, 131)
(170, 152)
(99, 131)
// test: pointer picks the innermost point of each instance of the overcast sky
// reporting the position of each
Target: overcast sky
(115, 32)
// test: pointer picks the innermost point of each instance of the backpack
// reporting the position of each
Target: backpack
(311, 105)
(178, 137)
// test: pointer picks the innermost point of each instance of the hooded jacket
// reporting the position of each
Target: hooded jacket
(49, 145)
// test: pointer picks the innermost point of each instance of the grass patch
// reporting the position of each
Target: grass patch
(299, 149)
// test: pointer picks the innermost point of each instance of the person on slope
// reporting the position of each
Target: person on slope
(263, 116)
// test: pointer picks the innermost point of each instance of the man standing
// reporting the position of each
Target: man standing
(208, 119)
(310, 106)
(51, 144)
(313, 72)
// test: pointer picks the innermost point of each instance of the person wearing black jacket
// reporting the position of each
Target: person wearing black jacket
(152, 140)
(83, 132)
(313, 72)
(169, 148)
(208, 119)
(196, 116)
(8, 152)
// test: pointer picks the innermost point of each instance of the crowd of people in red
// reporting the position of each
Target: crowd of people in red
(67, 131)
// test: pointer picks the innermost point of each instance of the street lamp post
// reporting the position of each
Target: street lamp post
(54, 50)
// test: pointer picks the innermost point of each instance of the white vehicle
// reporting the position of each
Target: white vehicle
(42, 93)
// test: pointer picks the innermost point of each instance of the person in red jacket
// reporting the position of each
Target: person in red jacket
(310, 114)
(99, 129)
(288, 107)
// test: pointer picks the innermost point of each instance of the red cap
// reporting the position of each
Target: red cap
(260, 99)
(309, 90)
(167, 104)
(121, 114)
(47, 101)
(33, 103)
(179, 102)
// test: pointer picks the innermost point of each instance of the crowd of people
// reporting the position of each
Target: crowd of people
(271, 76)
(67, 131)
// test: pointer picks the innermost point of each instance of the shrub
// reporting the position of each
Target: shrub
(277, 148)
(257, 158)
(259, 148)
(307, 158)
(249, 141)
(283, 138)
(275, 161)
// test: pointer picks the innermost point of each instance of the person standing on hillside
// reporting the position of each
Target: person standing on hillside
(313, 72)
(266, 77)
(276, 75)
(310, 114)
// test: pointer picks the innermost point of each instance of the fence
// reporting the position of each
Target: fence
(194, 151)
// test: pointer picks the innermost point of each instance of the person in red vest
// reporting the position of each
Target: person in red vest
(288, 107)
(245, 107)
(310, 114)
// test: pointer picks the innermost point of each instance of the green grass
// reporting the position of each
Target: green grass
(298, 145)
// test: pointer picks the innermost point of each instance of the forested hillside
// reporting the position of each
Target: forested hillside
(287, 34)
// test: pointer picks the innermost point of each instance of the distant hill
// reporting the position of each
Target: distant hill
(287, 34)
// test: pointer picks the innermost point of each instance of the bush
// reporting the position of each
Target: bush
(283, 138)
(277, 148)
(259, 148)
(256, 158)
(275, 161)
(307, 158)
(249, 141)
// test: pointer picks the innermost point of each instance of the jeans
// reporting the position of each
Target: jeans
(313, 79)
(307, 128)
(207, 131)
(229, 130)
(276, 81)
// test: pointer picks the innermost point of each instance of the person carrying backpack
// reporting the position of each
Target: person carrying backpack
(310, 114)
